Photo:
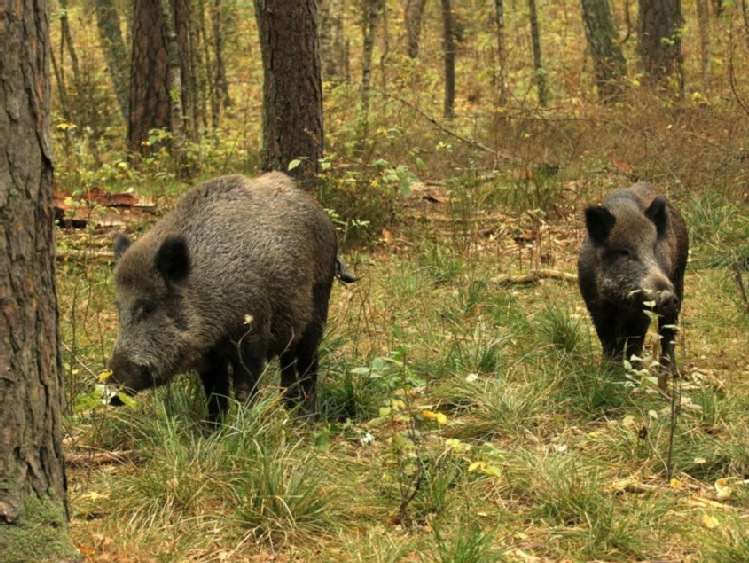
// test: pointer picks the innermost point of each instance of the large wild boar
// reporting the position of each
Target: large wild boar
(633, 258)
(239, 272)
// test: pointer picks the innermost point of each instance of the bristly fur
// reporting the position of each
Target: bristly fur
(239, 272)
(634, 255)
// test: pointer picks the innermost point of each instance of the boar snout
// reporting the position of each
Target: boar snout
(666, 303)
(128, 375)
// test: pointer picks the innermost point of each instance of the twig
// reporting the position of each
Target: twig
(732, 75)
(101, 458)
(534, 276)
(740, 282)
(471, 142)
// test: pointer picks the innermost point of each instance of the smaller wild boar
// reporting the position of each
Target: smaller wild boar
(238, 273)
(633, 258)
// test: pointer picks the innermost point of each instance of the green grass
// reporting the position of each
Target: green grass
(461, 420)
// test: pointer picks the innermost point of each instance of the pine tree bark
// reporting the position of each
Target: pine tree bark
(115, 53)
(659, 27)
(33, 513)
(159, 57)
(292, 86)
(608, 60)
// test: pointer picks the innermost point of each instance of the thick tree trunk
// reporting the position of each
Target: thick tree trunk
(659, 27)
(149, 94)
(33, 515)
(292, 86)
(161, 57)
(115, 53)
(543, 91)
(448, 45)
(610, 64)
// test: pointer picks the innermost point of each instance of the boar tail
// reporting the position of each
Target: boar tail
(342, 273)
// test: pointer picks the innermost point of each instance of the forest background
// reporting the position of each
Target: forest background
(465, 412)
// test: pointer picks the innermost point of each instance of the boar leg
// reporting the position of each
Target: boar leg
(214, 374)
(307, 362)
(623, 338)
(247, 366)
(289, 383)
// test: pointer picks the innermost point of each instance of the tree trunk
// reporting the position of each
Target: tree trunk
(115, 53)
(160, 59)
(67, 38)
(33, 512)
(704, 29)
(220, 87)
(448, 45)
(371, 10)
(149, 94)
(504, 87)
(292, 86)
(332, 40)
(543, 92)
(659, 27)
(414, 16)
(173, 73)
(609, 62)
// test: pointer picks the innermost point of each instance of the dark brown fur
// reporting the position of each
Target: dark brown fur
(634, 254)
(238, 273)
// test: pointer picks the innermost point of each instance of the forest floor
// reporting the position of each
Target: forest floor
(465, 413)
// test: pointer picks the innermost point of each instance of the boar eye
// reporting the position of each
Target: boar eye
(621, 253)
(144, 308)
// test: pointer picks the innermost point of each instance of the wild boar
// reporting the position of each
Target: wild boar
(237, 273)
(633, 258)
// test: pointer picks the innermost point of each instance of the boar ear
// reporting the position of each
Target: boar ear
(599, 221)
(173, 259)
(121, 244)
(658, 214)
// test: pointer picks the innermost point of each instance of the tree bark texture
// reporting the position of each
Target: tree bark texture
(609, 62)
(538, 68)
(160, 60)
(659, 27)
(33, 515)
(448, 45)
(292, 86)
(115, 52)
(414, 16)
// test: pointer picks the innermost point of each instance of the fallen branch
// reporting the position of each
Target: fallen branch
(101, 458)
(534, 277)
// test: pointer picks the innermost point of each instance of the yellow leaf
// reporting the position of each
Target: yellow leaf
(475, 466)
(710, 521)
(397, 404)
(675, 484)
(104, 375)
(438, 416)
(94, 496)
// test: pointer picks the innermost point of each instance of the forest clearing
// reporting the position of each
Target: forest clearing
(465, 413)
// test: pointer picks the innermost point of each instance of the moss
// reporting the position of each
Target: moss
(39, 534)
